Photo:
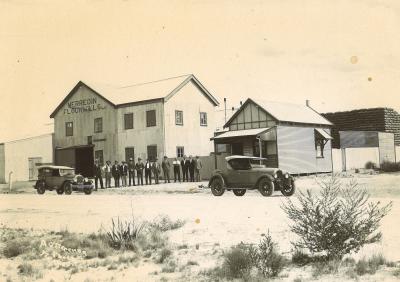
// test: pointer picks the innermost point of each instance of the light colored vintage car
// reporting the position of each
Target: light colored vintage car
(243, 173)
(62, 179)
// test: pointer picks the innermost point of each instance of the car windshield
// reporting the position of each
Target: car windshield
(64, 172)
(256, 163)
(240, 164)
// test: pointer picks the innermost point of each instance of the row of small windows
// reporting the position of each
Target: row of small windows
(128, 123)
(179, 118)
(151, 121)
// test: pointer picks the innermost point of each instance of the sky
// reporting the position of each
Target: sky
(340, 55)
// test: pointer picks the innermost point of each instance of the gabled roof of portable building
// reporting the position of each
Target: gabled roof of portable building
(286, 112)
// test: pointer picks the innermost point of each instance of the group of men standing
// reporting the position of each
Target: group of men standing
(124, 173)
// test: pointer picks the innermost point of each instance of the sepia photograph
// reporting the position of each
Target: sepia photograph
(199, 140)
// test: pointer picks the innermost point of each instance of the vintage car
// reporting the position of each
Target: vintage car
(243, 173)
(62, 179)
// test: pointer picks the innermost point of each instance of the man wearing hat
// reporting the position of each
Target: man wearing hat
(165, 167)
(139, 171)
(147, 171)
(124, 173)
(97, 174)
(131, 172)
(155, 169)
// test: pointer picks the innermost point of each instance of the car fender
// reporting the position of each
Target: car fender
(269, 177)
(216, 176)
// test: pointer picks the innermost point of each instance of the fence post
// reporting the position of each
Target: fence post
(9, 181)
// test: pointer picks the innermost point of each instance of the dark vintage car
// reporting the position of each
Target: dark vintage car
(243, 173)
(62, 179)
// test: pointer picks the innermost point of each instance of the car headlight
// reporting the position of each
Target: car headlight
(286, 175)
(275, 175)
(86, 179)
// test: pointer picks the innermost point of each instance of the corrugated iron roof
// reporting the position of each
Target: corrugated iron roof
(292, 112)
(241, 133)
(139, 92)
(324, 133)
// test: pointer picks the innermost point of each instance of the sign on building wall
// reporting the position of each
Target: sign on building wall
(82, 106)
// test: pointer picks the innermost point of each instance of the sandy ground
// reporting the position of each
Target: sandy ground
(225, 220)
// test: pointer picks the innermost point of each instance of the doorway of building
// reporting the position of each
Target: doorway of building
(33, 163)
(237, 149)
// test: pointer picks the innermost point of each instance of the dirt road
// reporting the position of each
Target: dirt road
(226, 220)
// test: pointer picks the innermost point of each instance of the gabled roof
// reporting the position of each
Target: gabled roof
(286, 112)
(137, 93)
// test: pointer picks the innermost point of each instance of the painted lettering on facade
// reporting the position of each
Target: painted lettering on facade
(82, 106)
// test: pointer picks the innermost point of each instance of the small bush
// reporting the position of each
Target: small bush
(164, 254)
(123, 234)
(268, 261)
(237, 262)
(15, 248)
(325, 267)
(370, 165)
(191, 262)
(371, 265)
(169, 268)
(390, 166)
(25, 269)
(164, 223)
(336, 222)
(301, 258)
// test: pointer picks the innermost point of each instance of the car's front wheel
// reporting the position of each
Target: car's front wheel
(217, 187)
(266, 187)
(87, 191)
(288, 189)
(60, 191)
(68, 188)
(239, 192)
(40, 187)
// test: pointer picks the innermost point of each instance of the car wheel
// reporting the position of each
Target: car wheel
(288, 190)
(217, 187)
(239, 192)
(40, 187)
(60, 191)
(68, 188)
(87, 191)
(266, 187)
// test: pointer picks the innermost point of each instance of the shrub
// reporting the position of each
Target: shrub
(301, 258)
(268, 260)
(123, 234)
(336, 222)
(15, 248)
(164, 254)
(169, 268)
(390, 166)
(164, 223)
(325, 267)
(25, 269)
(370, 165)
(237, 262)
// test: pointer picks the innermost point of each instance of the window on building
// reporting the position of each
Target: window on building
(128, 121)
(89, 140)
(129, 153)
(98, 155)
(203, 119)
(151, 118)
(69, 128)
(180, 151)
(319, 147)
(178, 117)
(152, 152)
(98, 125)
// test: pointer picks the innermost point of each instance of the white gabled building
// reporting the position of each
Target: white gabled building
(168, 117)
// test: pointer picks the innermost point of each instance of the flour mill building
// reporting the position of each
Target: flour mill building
(169, 117)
